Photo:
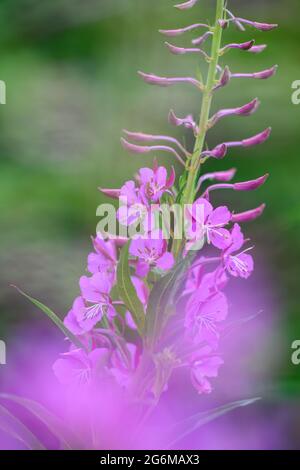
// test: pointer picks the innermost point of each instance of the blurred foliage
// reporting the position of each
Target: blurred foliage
(70, 70)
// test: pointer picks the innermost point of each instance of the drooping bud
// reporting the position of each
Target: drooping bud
(165, 82)
(255, 140)
(248, 215)
(264, 74)
(224, 80)
(257, 49)
(250, 185)
(245, 110)
(113, 193)
(258, 138)
(142, 137)
(223, 24)
(223, 176)
(218, 152)
(142, 149)
(188, 122)
(178, 32)
(186, 5)
(185, 50)
(257, 25)
(242, 186)
(245, 46)
(200, 40)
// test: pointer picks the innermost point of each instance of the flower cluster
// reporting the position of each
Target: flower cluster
(127, 317)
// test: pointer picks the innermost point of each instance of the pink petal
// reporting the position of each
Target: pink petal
(166, 262)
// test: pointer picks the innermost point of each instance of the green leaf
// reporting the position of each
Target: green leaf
(15, 428)
(55, 425)
(160, 299)
(55, 319)
(127, 290)
(191, 424)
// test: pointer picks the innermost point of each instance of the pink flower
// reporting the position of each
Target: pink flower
(204, 315)
(205, 365)
(209, 222)
(77, 312)
(122, 367)
(240, 264)
(95, 291)
(78, 368)
(155, 182)
(132, 208)
(151, 253)
(105, 259)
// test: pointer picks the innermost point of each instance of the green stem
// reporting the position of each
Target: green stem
(195, 162)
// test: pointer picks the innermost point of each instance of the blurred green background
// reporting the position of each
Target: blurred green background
(70, 70)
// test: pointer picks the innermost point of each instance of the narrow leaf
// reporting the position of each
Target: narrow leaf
(16, 429)
(127, 290)
(191, 424)
(55, 319)
(55, 425)
(161, 297)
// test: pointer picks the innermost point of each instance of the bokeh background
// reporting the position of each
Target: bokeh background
(70, 69)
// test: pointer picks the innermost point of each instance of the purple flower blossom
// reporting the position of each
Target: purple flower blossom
(237, 264)
(205, 310)
(205, 365)
(153, 183)
(95, 291)
(78, 368)
(209, 222)
(151, 253)
(105, 259)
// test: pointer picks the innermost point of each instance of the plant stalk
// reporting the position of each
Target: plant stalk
(195, 161)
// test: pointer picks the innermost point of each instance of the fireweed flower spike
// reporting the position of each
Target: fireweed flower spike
(134, 281)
